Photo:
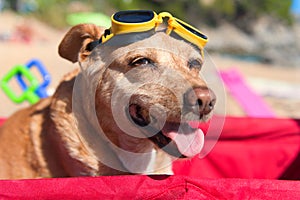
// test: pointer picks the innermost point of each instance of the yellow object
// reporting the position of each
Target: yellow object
(140, 21)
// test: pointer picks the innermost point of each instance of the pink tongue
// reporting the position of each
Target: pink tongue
(189, 144)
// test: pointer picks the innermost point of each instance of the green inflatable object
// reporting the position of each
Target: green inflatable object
(99, 19)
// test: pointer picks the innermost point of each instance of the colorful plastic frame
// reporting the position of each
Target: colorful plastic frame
(41, 90)
(29, 93)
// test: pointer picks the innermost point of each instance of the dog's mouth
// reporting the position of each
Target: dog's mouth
(178, 139)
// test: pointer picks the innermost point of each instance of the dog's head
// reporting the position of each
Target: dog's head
(149, 89)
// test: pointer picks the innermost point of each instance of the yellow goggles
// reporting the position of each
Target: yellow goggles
(132, 21)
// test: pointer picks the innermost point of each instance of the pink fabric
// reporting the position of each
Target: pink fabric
(144, 187)
(252, 103)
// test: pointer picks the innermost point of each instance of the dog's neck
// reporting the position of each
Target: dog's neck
(137, 154)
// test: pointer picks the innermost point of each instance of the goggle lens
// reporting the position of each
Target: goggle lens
(134, 16)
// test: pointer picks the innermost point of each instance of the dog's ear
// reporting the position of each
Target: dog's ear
(74, 45)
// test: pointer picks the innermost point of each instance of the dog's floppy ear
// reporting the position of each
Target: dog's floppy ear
(74, 45)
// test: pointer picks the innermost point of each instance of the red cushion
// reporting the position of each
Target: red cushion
(144, 187)
(2, 120)
(265, 149)
(250, 148)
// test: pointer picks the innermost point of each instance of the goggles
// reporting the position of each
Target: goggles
(135, 21)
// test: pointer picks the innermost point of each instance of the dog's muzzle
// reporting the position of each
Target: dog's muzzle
(177, 138)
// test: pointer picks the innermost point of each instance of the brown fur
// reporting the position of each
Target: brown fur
(46, 139)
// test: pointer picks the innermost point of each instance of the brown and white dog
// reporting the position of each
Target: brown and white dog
(125, 112)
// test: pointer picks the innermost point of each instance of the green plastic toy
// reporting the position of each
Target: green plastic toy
(29, 94)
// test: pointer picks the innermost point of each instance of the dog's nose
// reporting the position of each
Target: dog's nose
(200, 100)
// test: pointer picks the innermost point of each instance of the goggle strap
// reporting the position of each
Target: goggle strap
(169, 30)
(106, 32)
(90, 46)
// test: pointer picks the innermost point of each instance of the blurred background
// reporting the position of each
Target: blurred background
(254, 44)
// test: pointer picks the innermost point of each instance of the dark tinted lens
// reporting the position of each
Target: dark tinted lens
(193, 31)
(134, 16)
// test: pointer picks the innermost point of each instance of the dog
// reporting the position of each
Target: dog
(150, 87)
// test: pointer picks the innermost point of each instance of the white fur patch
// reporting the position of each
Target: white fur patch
(139, 163)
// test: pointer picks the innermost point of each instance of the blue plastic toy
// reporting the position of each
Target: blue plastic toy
(41, 91)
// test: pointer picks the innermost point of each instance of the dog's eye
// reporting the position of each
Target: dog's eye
(195, 64)
(141, 61)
